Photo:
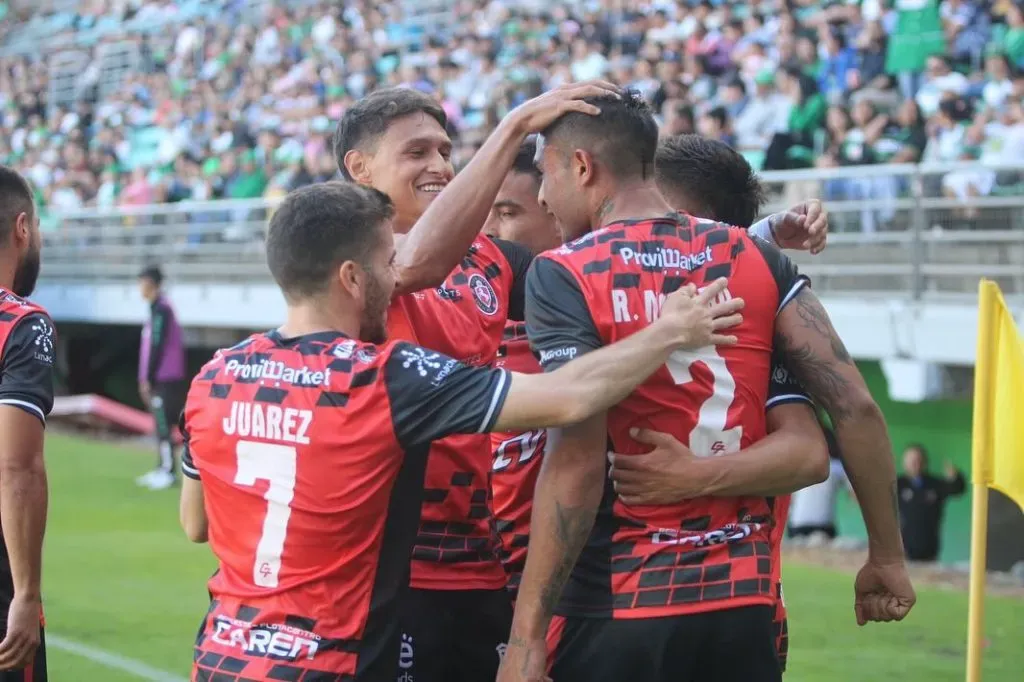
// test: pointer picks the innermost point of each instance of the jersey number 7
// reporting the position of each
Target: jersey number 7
(275, 464)
(709, 437)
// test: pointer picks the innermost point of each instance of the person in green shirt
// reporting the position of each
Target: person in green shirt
(251, 181)
(795, 148)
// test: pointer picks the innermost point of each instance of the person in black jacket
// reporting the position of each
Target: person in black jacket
(922, 499)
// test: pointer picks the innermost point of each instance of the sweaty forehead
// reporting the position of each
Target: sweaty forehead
(418, 126)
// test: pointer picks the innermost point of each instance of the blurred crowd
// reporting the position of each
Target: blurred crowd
(238, 98)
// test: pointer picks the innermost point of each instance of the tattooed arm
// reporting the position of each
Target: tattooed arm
(565, 505)
(813, 351)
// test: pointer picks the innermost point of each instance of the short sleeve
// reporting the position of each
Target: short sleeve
(433, 395)
(787, 277)
(783, 388)
(28, 361)
(558, 319)
(519, 259)
(188, 467)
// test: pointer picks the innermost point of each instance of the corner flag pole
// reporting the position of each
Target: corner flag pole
(981, 449)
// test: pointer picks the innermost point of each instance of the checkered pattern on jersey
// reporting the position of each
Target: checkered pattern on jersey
(457, 541)
(214, 661)
(621, 570)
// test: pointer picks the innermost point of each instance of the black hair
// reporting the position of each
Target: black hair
(720, 115)
(921, 449)
(369, 118)
(526, 159)
(15, 199)
(693, 169)
(153, 273)
(317, 228)
(624, 136)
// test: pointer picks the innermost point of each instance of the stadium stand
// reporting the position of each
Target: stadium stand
(139, 109)
(138, 102)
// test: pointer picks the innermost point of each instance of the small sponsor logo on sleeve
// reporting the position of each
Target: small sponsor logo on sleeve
(564, 354)
(44, 340)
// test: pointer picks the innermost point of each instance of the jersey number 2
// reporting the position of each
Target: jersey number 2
(709, 437)
(275, 464)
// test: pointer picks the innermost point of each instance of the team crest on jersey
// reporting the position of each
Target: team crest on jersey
(366, 354)
(483, 294)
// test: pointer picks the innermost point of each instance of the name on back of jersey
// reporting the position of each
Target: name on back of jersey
(653, 301)
(268, 422)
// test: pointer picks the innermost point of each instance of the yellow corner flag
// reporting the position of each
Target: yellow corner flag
(997, 443)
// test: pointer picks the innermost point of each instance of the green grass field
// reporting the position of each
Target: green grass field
(121, 578)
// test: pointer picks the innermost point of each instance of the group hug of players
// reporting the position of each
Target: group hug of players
(535, 421)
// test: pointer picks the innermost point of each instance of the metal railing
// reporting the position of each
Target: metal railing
(896, 231)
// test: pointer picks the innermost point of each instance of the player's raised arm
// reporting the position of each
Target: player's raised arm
(440, 238)
(435, 396)
(26, 398)
(814, 352)
(594, 382)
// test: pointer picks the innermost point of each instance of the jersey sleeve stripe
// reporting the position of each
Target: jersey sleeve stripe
(787, 399)
(496, 400)
(796, 288)
(25, 405)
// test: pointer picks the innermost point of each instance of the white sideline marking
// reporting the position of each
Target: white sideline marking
(111, 660)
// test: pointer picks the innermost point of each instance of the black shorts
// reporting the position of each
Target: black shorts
(453, 636)
(36, 672)
(732, 645)
(166, 405)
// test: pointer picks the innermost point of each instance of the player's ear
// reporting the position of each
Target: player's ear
(583, 167)
(352, 279)
(22, 233)
(358, 166)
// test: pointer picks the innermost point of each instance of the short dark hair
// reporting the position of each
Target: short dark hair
(369, 118)
(696, 169)
(526, 159)
(153, 273)
(15, 198)
(624, 136)
(317, 228)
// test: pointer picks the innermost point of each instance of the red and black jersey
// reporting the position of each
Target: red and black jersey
(701, 554)
(28, 345)
(464, 318)
(312, 453)
(785, 389)
(517, 459)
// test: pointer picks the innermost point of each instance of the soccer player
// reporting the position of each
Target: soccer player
(307, 445)
(691, 581)
(28, 344)
(517, 216)
(161, 374)
(705, 177)
(456, 291)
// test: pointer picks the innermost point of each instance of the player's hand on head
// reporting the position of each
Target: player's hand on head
(883, 592)
(534, 115)
(694, 320)
(803, 227)
(18, 648)
(667, 474)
